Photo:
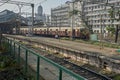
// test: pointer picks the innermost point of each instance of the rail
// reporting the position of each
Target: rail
(29, 57)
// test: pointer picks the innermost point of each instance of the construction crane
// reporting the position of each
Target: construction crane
(20, 5)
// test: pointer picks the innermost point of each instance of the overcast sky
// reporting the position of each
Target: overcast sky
(47, 5)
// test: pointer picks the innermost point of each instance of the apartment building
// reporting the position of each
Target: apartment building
(97, 14)
(60, 16)
(94, 12)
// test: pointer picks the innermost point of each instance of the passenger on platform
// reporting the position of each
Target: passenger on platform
(56, 36)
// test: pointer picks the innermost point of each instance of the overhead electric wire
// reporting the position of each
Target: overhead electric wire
(17, 13)
(40, 2)
(4, 2)
(36, 5)
(30, 7)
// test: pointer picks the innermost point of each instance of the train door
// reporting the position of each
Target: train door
(66, 32)
(73, 32)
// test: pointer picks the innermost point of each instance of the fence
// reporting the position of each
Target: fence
(41, 65)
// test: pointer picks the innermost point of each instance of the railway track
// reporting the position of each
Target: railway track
(88, 74)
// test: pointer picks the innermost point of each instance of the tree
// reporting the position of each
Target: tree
(84, 33)
(71, 14)
(115, 15)
(110, 29)
(74, 12)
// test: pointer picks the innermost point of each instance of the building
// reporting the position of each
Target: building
(7, 15)
(96, 13)
(41, 19)
(60, 16)
(47, 21)
(9, 20)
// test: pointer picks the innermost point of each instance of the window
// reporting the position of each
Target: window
(94, 31)
(104, 31)
(98, 26)
(98, 6)
(97, 31)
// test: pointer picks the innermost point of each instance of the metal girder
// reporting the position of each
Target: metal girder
(16, 2)
(27, 13)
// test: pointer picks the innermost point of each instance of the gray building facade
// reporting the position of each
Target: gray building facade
(93, 13)
(96, 13)
(60, 16)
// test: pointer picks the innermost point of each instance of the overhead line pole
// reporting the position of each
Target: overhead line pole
(19, 17)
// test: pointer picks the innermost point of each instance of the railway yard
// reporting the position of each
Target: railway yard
(67, 62)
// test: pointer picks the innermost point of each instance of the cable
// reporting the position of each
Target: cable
(30, 7)
(5, 2)
(40, 2)
(35, 5)
(27, 9)
(16, 13)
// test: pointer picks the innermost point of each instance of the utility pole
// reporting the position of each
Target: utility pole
(101, 31)
(60, 22)
(31, 28)
(114, 17)
(72, 24)
(19, 19)
(91, 27)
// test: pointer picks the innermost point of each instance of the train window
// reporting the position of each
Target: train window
(56, 29)
(66, 32)
(44, 29)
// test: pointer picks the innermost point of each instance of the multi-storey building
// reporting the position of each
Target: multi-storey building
(94, 13)
(97, 14)
(60, 16)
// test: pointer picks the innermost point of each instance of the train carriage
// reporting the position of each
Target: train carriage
(78, 32)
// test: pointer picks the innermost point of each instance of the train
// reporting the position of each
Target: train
(76, 32)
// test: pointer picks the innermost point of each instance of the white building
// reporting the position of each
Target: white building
(97, 14)
(60, 16)
(93, 13)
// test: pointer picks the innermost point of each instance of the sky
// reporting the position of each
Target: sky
(47, 5)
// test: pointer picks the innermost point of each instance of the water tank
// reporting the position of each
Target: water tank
(40, 10)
